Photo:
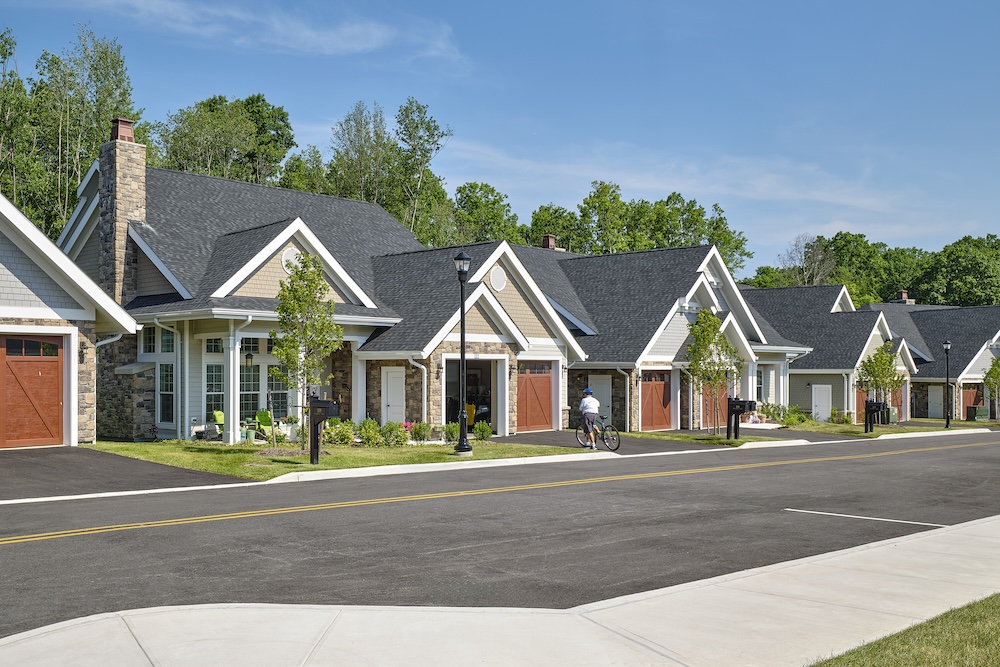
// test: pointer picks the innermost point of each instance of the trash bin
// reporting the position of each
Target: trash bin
(977, 413)
(892, 415)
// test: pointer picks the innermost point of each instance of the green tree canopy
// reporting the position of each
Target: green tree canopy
(712, 360)
(877, 374)
(483, 214)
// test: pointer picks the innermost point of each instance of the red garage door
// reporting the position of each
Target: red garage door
(31, 388)
(534, 395)
(655, 400)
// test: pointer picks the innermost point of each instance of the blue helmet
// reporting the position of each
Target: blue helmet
(588, 390)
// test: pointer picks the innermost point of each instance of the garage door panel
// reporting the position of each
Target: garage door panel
(534, 396)
(655, 401)
(31, 388)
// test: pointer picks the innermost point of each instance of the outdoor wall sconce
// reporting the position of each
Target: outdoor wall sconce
(249, 359)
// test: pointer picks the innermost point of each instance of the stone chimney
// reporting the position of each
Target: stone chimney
(904, 297)
(123, 199)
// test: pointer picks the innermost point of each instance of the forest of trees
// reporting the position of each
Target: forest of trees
(52, 123)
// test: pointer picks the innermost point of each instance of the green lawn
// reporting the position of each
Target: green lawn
(964, 637)
(240, 461)
(858, 431)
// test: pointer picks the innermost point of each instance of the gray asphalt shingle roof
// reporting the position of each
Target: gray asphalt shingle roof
(967, 328)
(202, 227)
(803, 314)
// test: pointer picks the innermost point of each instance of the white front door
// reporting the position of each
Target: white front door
(935, 401)
(822, 396)
(393, 394)
(601, 385)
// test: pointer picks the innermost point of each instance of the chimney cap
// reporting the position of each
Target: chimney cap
(121, 130)
(548, 240)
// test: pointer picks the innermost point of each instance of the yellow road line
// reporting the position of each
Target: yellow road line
(78, 532)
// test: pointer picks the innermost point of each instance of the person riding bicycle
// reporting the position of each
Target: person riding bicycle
(589, 407)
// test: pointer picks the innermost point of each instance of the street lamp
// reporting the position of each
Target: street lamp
(463, 448)
(947, 384)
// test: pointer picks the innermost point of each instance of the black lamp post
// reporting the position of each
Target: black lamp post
(463, 448)
(947, 384)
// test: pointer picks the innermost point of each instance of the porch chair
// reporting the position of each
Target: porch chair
(213, 430)
(264, 425)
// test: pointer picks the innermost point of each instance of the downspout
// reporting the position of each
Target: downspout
(423, 389)
(108, 341)
(628, 394)
(181, 416)
(847, 394)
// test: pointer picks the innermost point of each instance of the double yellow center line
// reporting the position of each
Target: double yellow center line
(183, 521)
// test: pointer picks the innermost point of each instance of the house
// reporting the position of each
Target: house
(198, 261)
(54, 321)
(630, 313)
(841, 338)
(974, 334)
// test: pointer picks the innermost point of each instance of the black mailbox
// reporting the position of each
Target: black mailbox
(319, 411)
(872, 411)
(737, 407)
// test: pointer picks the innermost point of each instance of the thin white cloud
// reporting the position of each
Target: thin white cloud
(280, 30)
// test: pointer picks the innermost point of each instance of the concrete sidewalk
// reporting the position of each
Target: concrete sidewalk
(784, 614)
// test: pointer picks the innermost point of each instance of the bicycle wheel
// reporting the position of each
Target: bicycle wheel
(581, 436)
(610, 438)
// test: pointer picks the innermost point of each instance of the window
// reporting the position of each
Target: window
(22, 347)
(166, 341)
(149, 340)
(165, 390)
(270, 346)
(251, 345)
(760, 386)
(279, 394)
(214, 397)
(213, 346)
(249, 392)
(534, 368)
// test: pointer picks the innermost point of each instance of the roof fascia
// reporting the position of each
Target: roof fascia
(265, 315)
(868, 341)
(908, 362)
(495, 310)
(732, 291)
(730, 324)
(67, 274)
(701, 283)
(506, 253)
(968, 367)
(86, 225)
(569, 316)
(297, 227)
(819, 371)
(844, 299)
(71, 223)
(158, 263)
(659, 331)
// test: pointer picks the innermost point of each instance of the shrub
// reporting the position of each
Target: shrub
(451, 430)
(340, 434)
(794, 416)
(395, 434)
(420, 431)
(370, 433)
(775, 413)
(482, 430)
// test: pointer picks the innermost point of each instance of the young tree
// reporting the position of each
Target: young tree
(307, 334)
(364, 158)
(992, 381)
(712, 360)
(878, 375)
(420, 139)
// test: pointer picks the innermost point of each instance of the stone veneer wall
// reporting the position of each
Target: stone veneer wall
(340, 383)
(435, 376)
(413, 383)
(122, 198)
(577, 381)
(128, 401)
(918, 400)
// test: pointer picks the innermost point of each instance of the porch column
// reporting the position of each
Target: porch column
(359, 385)
(750, 382)
(231, 389)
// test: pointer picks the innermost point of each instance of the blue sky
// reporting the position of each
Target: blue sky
(795, 117)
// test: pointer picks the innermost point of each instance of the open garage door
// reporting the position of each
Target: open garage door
(31, 389)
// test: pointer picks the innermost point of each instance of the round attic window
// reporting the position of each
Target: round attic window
(290, 255)
(498, 279)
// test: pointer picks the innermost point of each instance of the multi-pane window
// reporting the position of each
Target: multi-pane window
(149, 340)
(166, 341)
(213, 346)
(251, 345)
(214, 396)
(279, 394)
(760, 386)
(249, 392)
(270, 346)
(165, 391)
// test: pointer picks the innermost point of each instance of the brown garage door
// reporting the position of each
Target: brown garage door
(655, 400)
(534, 395)
(709, 418)
(31, 388)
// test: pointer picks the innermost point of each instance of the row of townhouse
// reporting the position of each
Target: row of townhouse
(153, 311)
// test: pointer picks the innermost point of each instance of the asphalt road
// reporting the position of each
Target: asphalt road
(550, 535)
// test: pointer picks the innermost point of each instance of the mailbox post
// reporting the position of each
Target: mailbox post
(319, 411)
(737, 407)
(872, 409)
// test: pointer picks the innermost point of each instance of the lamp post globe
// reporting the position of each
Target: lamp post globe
(463, 448)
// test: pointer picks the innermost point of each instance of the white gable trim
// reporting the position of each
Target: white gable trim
(703, 285)
(160, 266)
(844, 301)
(881, 326)
(298, 228)
(67, 274)
(732, 329)
(907, 358)
(569, 316)
(492, 307)
(73, 225)
(82, 228)
(731, 290)
(538, 297)
(643, 356)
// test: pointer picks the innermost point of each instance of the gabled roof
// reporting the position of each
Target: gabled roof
(899, 317)
(109, 316)
(545, 267)
(202, 227)
(968, 329)
(805, 314)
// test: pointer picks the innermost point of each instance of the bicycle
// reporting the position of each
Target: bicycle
(606, 433)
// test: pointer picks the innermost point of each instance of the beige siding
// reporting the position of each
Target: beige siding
(266, 282)
(477, 322)
(673, 335)
(982, 363)
(149, 280)
(24, 284)
(90, 256)
(515, 301)
(800, 390)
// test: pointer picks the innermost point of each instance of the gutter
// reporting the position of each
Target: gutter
(423, 389)
(108, 341)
